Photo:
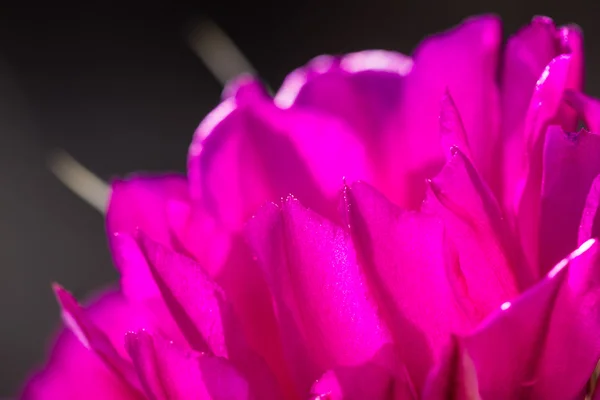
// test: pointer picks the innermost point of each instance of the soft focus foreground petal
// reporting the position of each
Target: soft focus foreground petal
(455, 377)
(140, 202)
(589, 227)
(404, 252)
(572, 343)
(259, 152)
(168, 372)
(326, 314)
(571, 162)
(478, 231)
(94, 338)
(75, 372)
(588, 109)
(462, 61)
(524, 69)
(364, 89)
(204, 314)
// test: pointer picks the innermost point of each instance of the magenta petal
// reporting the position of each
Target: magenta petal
(571, 163)
(203, 313)
(455, 377)
(589, 227)
(141, 203)
(227, 260)
(525, 196)
(140, 347)
(263, 233)
(572, 347)
(452, 128)
(367, 381)
(194, 300)
(326, 314)
(140, 289)
(529, 355)
(73, 371)
(527, 54)
(462, 61)
(93, 338)
(259, 152)
(547, 100)
(168, 372)
(404, 252)
(137, 282)
(364, 89)
(477, 229)
(530, 96)
(588, 109)
(516, 331)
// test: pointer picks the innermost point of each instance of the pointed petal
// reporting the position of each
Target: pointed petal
(137, 281)
(527, 54)
(452, 129)
(140, 347)
(204, 314)
(524, 174)
(172, 373)
(93, 338)
(571, 42)
(529, 93)
(525, 197)
(506, 347)
(326, 315)
(140, 289)
(522, 345)
(402, 253)
(476, 227)
(75, 372)
(259, 152)
(564, 370)
(228, 261)
(570, 165)
(141, 203)
(193, 299)
(471, 51)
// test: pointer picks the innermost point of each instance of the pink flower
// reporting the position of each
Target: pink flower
(456, 261)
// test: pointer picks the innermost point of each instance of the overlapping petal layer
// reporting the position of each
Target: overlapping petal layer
(424, 255)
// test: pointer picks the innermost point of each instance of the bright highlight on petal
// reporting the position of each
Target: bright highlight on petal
(385, 227)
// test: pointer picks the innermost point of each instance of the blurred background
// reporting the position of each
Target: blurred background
(119, 87)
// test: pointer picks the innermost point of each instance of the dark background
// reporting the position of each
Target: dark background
(116, 86)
